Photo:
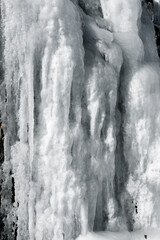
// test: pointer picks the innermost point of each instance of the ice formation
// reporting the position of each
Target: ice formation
(79, 102)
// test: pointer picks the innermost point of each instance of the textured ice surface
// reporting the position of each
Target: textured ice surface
(157, 12)
(81, 110)
(122, 13)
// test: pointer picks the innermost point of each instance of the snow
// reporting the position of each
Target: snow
(138, 235)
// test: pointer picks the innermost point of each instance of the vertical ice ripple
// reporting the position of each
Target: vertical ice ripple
(78, 125)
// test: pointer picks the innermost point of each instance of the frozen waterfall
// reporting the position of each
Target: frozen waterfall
(80, 119)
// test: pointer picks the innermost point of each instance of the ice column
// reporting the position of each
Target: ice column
(138, 106)
(44, 74)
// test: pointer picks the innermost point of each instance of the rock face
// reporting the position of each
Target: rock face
(80, 108)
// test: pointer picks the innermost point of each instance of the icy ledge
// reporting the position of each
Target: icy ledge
(138, 235)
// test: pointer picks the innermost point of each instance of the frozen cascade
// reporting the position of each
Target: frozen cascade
(139, 97)
(79, 103)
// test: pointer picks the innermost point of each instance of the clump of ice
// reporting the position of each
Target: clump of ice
(122, 13)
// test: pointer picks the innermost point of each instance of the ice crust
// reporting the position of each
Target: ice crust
(82, 119)
(138, 235)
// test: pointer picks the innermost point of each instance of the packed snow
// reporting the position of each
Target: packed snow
(138, 235)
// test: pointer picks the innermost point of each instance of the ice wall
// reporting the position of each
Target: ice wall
(80, 107)
(43, 58)
(139, 109)
(58, 145)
